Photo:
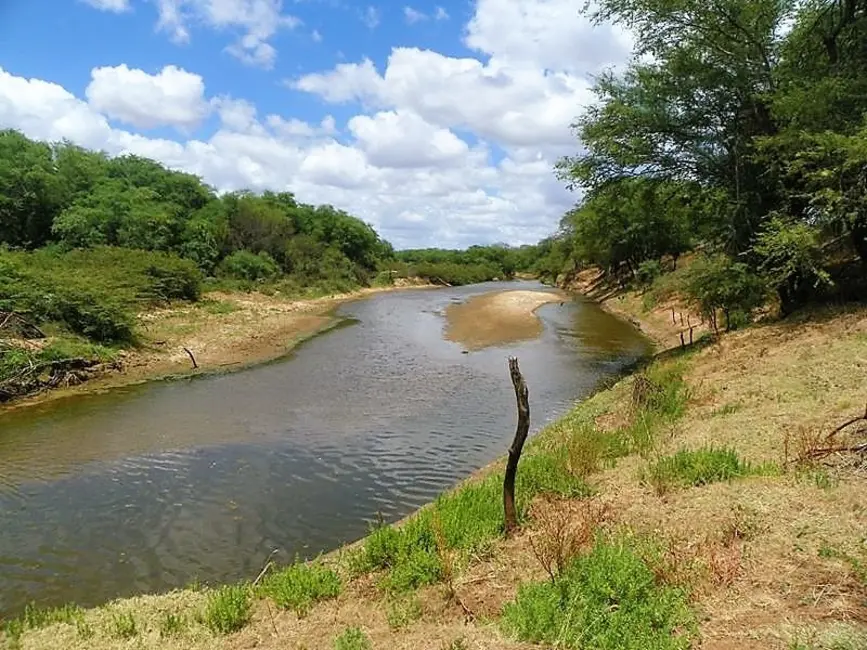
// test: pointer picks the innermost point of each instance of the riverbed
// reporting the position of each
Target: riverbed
(150, 487)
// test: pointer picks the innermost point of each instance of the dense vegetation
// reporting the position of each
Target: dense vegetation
(738, 129)
(87, 242)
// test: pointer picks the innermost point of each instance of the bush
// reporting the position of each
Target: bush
(719, 283)
(228, 609)
(607, 599)
(299, 586)
(244, 265)
(647, 272)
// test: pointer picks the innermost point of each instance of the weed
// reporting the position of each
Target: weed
(561, 533)
(35, 617)
(401, 612)
(606, 599)
(301, 585)
(352, 638)
(84, 629)
(123, 625)
(727, 409)
(695, 468)
(839, 636)
(171, 625)
(228, 609)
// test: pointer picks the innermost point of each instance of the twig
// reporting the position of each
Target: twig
(847, 424)
(192, 358)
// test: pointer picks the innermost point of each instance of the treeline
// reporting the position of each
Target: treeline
(456, 267)
(738, 130)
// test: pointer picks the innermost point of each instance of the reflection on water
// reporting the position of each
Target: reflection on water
(150, 487)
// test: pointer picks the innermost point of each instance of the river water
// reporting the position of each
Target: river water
(147, 488)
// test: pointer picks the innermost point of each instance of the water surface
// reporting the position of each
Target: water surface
(150, 487)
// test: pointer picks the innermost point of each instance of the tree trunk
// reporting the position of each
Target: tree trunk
(859, 239)
(522, 397)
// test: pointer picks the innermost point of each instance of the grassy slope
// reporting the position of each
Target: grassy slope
(773, 558)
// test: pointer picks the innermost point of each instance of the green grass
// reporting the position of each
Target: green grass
(608, 599)
(299, 586)
(352, 638)
(700, 467)
(468, 520)
(838, 636)
(402, 612)
(123, 625)
(171, 625)
(228, 609)
(218, 306)
(35, 617)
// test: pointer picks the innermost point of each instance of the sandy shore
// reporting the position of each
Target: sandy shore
(224, 332)
(498, 317)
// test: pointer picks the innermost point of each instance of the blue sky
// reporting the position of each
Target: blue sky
(437, 122)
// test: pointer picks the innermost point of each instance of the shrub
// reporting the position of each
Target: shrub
(719, 283)
(35, 617)
(244, 265)
(352, 638)
(228, 609)
(171, 625)
(402, 612)
(299, 586)
(607, 599)
(648, 271)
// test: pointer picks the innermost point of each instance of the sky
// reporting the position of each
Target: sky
(436, 121)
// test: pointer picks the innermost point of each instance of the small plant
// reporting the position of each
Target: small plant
(352, 638)
(299, 586)
(402, 612)
(171, 625)
(607, 599)
(123, 625)
(457, 644)
(695, 468)
(84, 629)
(562, 533)
(228, 609)
(727, 409)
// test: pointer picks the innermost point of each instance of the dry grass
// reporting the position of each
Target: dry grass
(770, 561)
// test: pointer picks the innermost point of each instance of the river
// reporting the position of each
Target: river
(146, 488)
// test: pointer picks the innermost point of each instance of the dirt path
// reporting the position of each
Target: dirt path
(497, 317)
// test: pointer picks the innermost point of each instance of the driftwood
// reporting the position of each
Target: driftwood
(523, 402)
(192, 358)
(36, 377)
(830, 448)
(14, 324)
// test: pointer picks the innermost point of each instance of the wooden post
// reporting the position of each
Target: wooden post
(682, 344)
(673, 320)
(522, 398)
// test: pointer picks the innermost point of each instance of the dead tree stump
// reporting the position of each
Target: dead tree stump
(523, 401)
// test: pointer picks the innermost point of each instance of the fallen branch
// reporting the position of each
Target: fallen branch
(192, 358)
(846, 425)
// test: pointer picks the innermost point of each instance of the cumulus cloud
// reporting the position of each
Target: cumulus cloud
(172, 97)
(258, 21)
(512, 105)
(441, 14)
(116, 6)
(548, 34)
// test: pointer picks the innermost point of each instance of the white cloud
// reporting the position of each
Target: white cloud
(116, 6)
(413, 15)
(441, 14)
(370, 17)
(549, 34)
(404, 140)
(513, 106)
(258, 20)
(316, 36)
(172, 97)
